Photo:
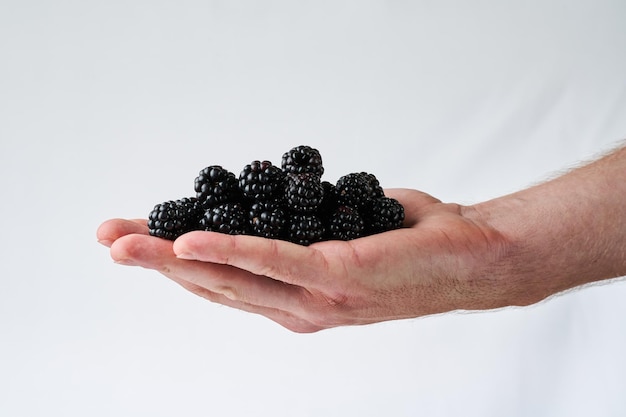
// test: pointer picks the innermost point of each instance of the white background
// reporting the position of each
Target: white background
(107, 108)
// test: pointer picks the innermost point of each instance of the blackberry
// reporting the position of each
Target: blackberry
(377, 191)
(355, 190)
(173, 218)
(215, 185)
(303, 192)
(228, 218)
(261, 181)
(305, 229)
(345, 224)
(289, 202)
(329, 200)
(302, 159)
(383, 214)
(267, 219)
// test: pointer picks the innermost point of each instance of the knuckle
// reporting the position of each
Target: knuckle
(228, 292)
(327, 311)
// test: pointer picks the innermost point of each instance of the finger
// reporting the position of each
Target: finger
(111, 230)
(277, 259)
(153, 253)
(231, 282)
(283, 318)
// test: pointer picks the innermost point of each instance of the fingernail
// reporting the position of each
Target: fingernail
(105, 242)
(126, 262)
(185, 255)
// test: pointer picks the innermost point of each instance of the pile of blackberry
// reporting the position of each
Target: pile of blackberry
(291, 203)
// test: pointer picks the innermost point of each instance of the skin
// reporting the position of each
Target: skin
(515, 250)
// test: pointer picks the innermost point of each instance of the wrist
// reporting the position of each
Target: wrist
(515, 274)
(560, 234)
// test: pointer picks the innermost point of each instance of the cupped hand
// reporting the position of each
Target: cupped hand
(434, 264)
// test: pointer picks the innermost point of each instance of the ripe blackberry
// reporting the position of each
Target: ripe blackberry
(228, 218)
(329, 200)
(173, 218)
(215, 185)
(355, 189)
(303, 192)
(383, 214)
(345, 224)
(290, 202)
(377, 191)
(304, 229)
(261, 181)
(302, 159)
(267, 219)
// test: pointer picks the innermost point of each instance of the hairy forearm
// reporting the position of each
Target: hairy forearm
(560, 234)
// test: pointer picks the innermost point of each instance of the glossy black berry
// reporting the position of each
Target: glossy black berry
(302, 159)
(383, 214)
(305, 229)
(345, 224)
(228, 218)
(215, 185)
(376, 189)
(303, 192)
(355, 189)
(268, 219)
(329, 200)
(173, 218)
(261, 181)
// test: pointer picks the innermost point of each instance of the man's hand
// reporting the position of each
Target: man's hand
(427, 267)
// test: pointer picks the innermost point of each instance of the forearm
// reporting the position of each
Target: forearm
(560, 234)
